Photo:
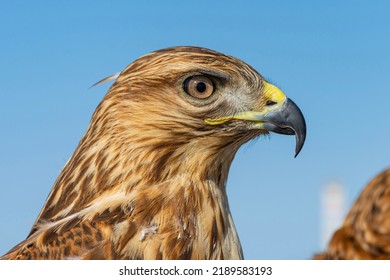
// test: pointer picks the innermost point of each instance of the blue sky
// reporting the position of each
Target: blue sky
(331, 57)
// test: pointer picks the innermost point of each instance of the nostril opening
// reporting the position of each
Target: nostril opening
(270, 103)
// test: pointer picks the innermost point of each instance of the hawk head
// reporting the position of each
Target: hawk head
(186, 107)
(198, 102)
(147, 179)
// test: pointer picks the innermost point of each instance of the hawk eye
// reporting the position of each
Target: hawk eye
(198, 86)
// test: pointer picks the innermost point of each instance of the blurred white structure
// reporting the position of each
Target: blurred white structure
(332, 210)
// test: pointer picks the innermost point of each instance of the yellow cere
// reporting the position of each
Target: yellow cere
(270, 91)
(273, 93)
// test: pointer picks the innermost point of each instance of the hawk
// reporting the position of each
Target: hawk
(148, 178)
(365, 233)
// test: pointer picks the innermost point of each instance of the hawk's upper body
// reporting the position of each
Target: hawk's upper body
(365, 233)
(148, 178)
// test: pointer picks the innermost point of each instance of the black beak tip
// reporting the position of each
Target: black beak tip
(298, 124)
(298, 148)
(300, 137)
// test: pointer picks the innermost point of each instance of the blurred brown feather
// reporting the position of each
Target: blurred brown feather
(147, 180)
(365, 233)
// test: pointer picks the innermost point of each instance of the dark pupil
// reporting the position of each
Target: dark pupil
(201, 87)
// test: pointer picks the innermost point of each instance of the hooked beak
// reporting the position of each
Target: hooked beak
(284, 117)
(288, 119)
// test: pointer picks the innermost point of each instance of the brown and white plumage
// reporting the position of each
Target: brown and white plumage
(147, 180)
(365, 233)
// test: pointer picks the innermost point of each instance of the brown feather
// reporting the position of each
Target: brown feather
(147, 180)
(365, 233)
